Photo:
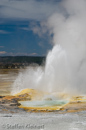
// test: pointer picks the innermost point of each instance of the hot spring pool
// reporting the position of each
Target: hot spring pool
(43, 103)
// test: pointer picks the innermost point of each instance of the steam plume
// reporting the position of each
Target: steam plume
(65, 69)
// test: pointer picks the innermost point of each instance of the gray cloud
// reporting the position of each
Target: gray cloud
(18, 54)
(3, 32)
(2, 52)
(27, 9)
(1, 46)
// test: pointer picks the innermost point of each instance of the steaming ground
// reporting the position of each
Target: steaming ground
(65, 68)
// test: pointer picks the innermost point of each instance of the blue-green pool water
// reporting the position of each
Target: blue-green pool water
(43, 103)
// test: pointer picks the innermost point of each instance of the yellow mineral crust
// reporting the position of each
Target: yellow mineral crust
(34, 94)
(78, 99)
(43, 109)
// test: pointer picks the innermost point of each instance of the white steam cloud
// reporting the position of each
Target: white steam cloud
(65, 69)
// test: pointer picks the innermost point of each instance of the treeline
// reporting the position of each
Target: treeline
(7, 62)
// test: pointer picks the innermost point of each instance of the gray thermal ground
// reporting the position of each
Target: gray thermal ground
(43, 121)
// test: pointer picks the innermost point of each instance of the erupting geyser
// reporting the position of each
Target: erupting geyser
(65, 68)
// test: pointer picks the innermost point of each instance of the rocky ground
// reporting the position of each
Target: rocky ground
(9, 104)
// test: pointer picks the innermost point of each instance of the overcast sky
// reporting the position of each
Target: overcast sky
(22, 26)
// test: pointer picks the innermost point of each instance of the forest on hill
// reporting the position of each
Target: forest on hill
(7, 62)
